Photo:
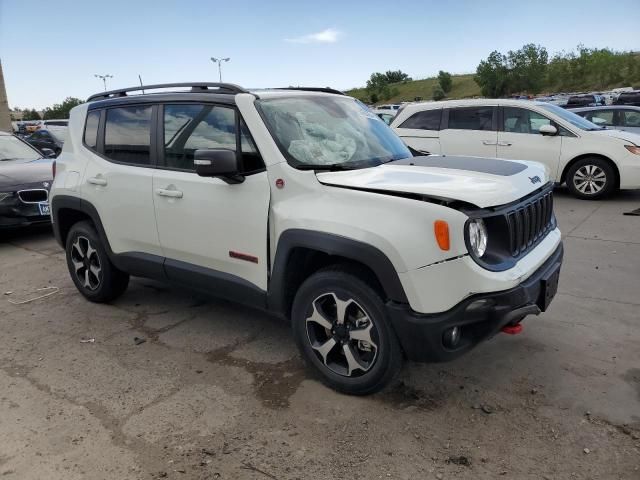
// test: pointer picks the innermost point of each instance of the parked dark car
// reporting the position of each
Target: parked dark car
(585, 101)
(628, 98)
(46, 139)
(25, 180)
(618, 117)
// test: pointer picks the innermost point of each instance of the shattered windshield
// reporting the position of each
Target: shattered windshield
(322, 130)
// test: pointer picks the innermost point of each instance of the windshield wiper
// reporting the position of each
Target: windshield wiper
(332, 167)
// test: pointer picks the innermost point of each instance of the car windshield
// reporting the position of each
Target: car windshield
(12, 148)
(324, 131)
(572, 118)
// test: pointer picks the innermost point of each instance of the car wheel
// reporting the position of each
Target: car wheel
(91, 271)
(591, 178)
(342, 329)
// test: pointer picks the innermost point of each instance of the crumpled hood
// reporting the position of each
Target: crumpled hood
(15, 173)
(484, 182)
(621, 134)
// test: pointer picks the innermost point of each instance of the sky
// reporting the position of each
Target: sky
(51, 49)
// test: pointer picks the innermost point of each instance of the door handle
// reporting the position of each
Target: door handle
(163, 192)
(97, 181)
(488, 142)
(505, 144)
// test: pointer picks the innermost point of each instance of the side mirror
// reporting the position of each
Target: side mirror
(549, 130)
(218, 162)
(48, 153)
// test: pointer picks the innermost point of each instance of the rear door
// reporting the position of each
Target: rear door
(519, 138)
(470, 131)
(421, 131)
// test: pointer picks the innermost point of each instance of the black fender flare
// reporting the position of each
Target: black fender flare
(330, 244)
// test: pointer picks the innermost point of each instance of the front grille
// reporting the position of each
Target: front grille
(529, 222)
(33, 196)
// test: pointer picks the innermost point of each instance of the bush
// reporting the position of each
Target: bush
(444, 79)
(438, 93)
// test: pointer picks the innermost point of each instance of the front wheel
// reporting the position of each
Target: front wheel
(591, 178)
(342, 329)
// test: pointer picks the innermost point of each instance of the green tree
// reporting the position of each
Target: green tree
(61, 110)
(438, 93)
(29, 115)
(492, 75)
(396, 76)
(378, 84)
(444, 79)
(527, 69)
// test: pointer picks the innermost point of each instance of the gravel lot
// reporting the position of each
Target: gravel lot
(218, 391)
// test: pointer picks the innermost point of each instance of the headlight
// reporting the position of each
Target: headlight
(478, 236)
(5, 195)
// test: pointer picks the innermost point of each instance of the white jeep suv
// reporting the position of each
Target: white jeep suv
(592, 160)
(303, 203)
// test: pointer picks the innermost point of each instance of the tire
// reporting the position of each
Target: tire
(591, 178)
(361, 353)
(89, 266)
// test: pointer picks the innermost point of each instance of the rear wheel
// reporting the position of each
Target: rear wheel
(342, 329)
(91, 270)
(591, 178)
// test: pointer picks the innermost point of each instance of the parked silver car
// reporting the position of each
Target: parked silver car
(618, 117)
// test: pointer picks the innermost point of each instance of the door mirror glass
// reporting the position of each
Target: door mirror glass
(548, 130)
(218, 162)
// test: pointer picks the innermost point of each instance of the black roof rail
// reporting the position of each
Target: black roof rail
(228, 88)
(314, 89)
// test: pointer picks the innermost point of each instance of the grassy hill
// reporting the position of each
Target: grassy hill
(463, 87)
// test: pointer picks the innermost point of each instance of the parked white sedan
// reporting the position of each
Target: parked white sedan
(592, 160)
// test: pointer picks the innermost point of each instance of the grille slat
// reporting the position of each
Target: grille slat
(33, 196)
(529, 222)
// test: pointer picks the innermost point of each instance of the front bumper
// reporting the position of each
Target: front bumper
(479, 317)
(14, 213)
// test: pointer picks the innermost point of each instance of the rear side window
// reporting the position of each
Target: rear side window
(471, 118)
(91, 129)
(127, 135)
(425, 120)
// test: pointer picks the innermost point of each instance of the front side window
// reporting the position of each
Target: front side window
(521, 120)
(631, 119)
(321, 130)
(188, 128)
(471, 118)
(425, 120)
(127, 135)
(601, 117)
(91, 129)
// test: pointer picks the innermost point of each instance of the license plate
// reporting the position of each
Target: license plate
(44, 208)
(549, 287)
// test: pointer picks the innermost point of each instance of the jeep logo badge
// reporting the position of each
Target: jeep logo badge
(535, 179)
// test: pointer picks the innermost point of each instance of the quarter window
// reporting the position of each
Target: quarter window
(520, 120)
(425, 120)
(473, 118)
(91, 129)
(128, 135)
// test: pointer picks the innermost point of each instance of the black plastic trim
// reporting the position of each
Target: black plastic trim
(492, 166)
(196, 87)
(330, 244)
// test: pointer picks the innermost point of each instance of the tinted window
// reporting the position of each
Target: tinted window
(91, 129)
(521, 120)
(426, 120)
(188, 128)
(601, 117)
(632, 118)
(473, 118)
(127, 135)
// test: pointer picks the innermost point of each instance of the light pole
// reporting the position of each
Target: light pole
(219, 62)
(104, 79)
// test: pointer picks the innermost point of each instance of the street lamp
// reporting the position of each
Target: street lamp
(104, 79)
(219, 62)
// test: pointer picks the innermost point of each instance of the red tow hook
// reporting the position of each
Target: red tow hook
(512, 329)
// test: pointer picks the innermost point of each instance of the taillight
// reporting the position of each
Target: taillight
(53, 169)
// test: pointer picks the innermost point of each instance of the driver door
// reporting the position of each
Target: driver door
(206, 225)
(519, 138)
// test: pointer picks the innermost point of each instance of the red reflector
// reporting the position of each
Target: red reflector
(243, 256)
(512, 329)
(280, 183)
